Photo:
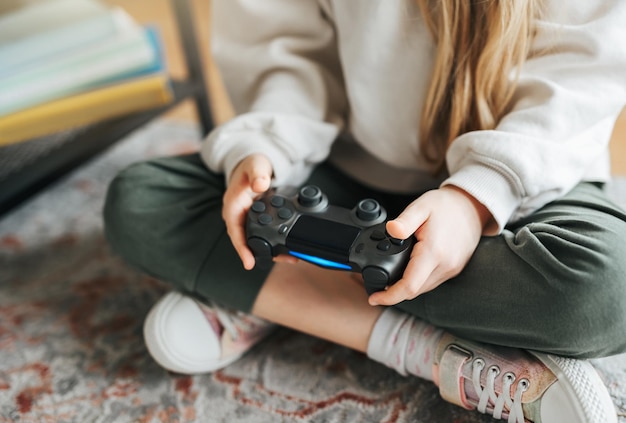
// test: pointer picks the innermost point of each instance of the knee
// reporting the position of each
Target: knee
(590, 304)
(581, 274)
(119, 192)
(604, 297)
(151, 196)
(154, 210)
(125, 193)
(124, 199)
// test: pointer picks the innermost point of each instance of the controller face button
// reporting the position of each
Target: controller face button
(282, 229)
(285, 213)
(258, 207)
(378, 235)
(397, 241)
(384, 245)
(265, 219)
(310, 196)
(368, 209)
(277, 201)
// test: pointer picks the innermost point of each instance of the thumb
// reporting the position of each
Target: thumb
(259, 172)
(408, 222)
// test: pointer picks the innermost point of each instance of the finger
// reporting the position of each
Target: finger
(285, 258)
(251, 175)
(234, 215)
(419, 270)
(238, 238)
(409, 221)
(259, 172)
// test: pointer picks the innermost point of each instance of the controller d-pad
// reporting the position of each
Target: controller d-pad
(265, 219)
(284, 213)
(258, 207)
(277, 201)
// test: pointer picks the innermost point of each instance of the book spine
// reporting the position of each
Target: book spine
(130, 51)
(17, 56)
(83, 109)
(41, 16)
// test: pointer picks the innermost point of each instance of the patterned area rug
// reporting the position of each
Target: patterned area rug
(71, 347)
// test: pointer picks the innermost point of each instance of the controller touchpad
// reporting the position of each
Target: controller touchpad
(322, 238)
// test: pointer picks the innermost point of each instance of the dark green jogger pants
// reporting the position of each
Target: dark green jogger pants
(555, 282)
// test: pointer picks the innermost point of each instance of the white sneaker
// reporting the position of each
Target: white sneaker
(186, 336)
(520, 386)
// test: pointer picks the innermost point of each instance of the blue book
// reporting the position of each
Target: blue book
(43, 16)
(157, 65)
(29, 51)
(133, 52)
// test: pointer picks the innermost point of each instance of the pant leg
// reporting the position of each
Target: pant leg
(163, 216)
(555, 282)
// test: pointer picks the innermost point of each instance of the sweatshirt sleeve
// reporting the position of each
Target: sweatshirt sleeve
(570, 92)
(278, 60)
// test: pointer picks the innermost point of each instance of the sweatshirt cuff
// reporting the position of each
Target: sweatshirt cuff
(240, 145)
(491, 188)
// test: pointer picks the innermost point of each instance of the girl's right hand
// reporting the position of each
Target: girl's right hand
(251, 177)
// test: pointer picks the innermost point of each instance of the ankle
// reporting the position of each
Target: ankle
(404, 343)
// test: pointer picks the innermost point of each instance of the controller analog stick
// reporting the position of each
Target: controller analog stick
(309, 196)
(368, 210)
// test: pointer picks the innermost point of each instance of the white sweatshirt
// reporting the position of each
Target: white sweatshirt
(301, 73)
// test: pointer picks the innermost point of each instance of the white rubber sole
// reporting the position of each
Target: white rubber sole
(580, 396)
(180, 339)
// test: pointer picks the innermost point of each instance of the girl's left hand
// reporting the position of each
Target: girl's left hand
(448, 223)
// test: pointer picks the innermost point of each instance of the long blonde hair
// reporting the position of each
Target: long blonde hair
(481, 45)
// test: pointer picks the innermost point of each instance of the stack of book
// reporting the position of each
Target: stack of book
(70, 63)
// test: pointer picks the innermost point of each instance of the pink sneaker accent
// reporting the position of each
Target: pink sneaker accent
(186, 336)
(237, 330)
(520, 386)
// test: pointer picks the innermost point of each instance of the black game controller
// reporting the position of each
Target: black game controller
(300, 222)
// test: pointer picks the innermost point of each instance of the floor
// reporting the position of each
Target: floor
(71, 317)
(158, 11)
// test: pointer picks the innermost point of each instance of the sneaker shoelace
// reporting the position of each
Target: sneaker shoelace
(503, 402)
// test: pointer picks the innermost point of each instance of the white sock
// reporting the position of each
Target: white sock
(404, 343)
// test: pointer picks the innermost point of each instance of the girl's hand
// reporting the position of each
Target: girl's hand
(251, 177)
(448, 223)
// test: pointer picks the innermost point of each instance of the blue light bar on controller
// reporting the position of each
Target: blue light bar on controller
(320, 261)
